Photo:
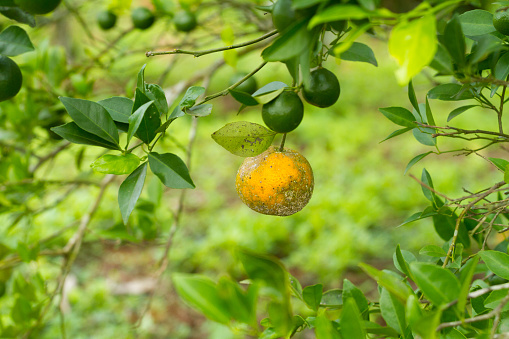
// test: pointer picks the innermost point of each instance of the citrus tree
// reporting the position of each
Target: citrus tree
(458, 290)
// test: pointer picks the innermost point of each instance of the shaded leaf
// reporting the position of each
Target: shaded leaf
(243, 97)
(454, 41)
(359, 52)
(119, 108)
(200, 110)
(135, 120)
(312, 295)
(290, 44)
(190, 97)
(151, 118)
(15, 41)
(74, 134)
(449, 92)
(19, 15)
(130, 191)
(170, 169)
(270, 87)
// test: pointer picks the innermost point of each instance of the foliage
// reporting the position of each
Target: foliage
(458, 289)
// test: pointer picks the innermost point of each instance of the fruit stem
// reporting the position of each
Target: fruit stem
(281, 148)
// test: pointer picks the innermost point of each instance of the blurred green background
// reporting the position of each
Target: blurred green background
(361, 193)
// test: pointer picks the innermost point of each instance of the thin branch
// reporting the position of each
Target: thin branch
(49, 156)
(197, 54)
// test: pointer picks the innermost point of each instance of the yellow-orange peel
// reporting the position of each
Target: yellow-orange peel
(275, 182)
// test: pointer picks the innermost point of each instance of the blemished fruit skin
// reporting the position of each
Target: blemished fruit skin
(184, 21)
(323, 90)
(501, 22)
(10, 78)
(106, 20)
(284, 113)
(38, 6)
(275, 182)
(248, 86)
(142, 17)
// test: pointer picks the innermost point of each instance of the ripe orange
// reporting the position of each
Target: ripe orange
(275, 182)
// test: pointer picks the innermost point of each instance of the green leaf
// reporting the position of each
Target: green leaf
(151, 119)
(458, 111)
(200, 110)
(299, 4)
(201, 293)
(442, 61)
(466, 274)
(497, 262)
(393, 311)
(477, 22)
(119, 108)
(74, 134)
(21, 311)
(241, 304)
(389, 281)
(350, 291)
(424, 135)
(312, 295)
(370, 5)
(339, 12)
(351, 322)
(170, 169)
(26, 253)
(268, 97)
(324, 328)
(401, 260)
(426, 179)
(156, 93)
(429, 114)
(140, 85)
(445, 224)
(116, 164)
(281, 317)
(359, 52)
(486, 45)
(130, 191)
(266, 269)
(295, 287)
(449, 92)
(91, 117)
(396, 133)
(243, 97)
(135, 120)
(270, 87)
(493, 300)
(384, 332)
(244, 138)
(190, 97)
(399, 115)
(290, 44)
(413, 44)
(501, 70)
(415, 160)
(15, 41)
(412, 97)
(438, 284)
(332, 298)
(454, 41)
(19, 15)
(500, 163)
(432, 251)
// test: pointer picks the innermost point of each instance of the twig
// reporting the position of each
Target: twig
(49, 156)
(197, 54)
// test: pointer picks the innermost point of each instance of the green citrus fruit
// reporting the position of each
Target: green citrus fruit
(184, 21)
(284, 113)
(142, 17)
(283, 15)
(248, 86)
(501, 22)
(323, 90)
(38, 6)
(10, 78)
(106, 20)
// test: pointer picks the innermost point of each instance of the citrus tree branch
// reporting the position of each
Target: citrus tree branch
(214, 50)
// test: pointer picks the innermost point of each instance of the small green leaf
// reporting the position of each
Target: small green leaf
(389, 281)
(458, 111)
(393, 311)
(19, 15)
(135, 120)
(151, 118)
(497, 262)
(454, 41)
(332, 298)
(290, 44)
(415, 160)
(324, 328)
(15, 41)
(500, 163)
(312, 296)
(140, 85)
(156, 93)
(501, 70)
(424, 135)
(450, 92)
(92, 117)
(339, 12)
(244, 138)
(426, 179)
(477, 22)
(200, 110)
(270, 87)
(241, 304)
(170, 169)
(399, 115)
(442, 61)
(119, 108)
(350, 291)
(201, 293)
(413, 44)
(351, 321)
(268, 97)
(438, 284)
(432, 251)
(396, 133)
(243, 97)
(116, 164)
(190, 97)
(412, 97)
(130, 191)
(74, 134)
(401, 260)
(359, 52)
(466, 274)
(429, 114)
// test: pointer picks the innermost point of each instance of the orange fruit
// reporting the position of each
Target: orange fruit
(275, 182)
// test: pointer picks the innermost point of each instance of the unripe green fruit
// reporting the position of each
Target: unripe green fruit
(323, 90)
(10, 78)
(284, 113)
(142, 17)
(184, 21)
